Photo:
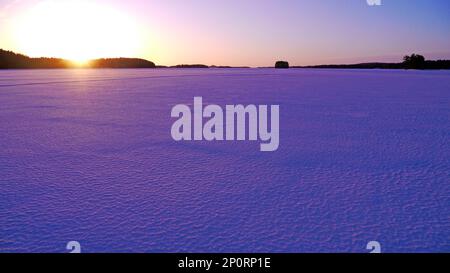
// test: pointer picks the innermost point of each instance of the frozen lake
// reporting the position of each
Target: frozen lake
(87, 155)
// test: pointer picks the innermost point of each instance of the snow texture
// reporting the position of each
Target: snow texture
(87, 155)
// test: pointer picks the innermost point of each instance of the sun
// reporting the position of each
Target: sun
(76, 30)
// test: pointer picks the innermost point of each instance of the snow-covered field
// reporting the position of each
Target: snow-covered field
(87, 155)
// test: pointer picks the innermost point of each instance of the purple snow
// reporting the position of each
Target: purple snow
(87, 156)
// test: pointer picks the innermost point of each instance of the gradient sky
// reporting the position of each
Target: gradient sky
(259, 32)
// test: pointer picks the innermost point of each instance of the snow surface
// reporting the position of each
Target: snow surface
(87, 155)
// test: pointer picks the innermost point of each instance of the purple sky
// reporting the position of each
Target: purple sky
(259, 32)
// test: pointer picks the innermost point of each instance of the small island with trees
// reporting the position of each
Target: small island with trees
(281, 65)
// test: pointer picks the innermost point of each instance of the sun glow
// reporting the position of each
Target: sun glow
(77, 31)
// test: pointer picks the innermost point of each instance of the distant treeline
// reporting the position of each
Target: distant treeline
(414, 61)
(439, 64)
(11, 60)
(121, 63)
(200, 66)
(190, 66)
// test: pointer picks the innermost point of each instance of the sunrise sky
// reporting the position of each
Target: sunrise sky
(231, 32)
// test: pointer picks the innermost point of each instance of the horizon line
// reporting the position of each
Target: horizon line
(85, 63)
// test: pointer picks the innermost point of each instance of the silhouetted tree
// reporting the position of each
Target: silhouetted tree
(414, 61)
